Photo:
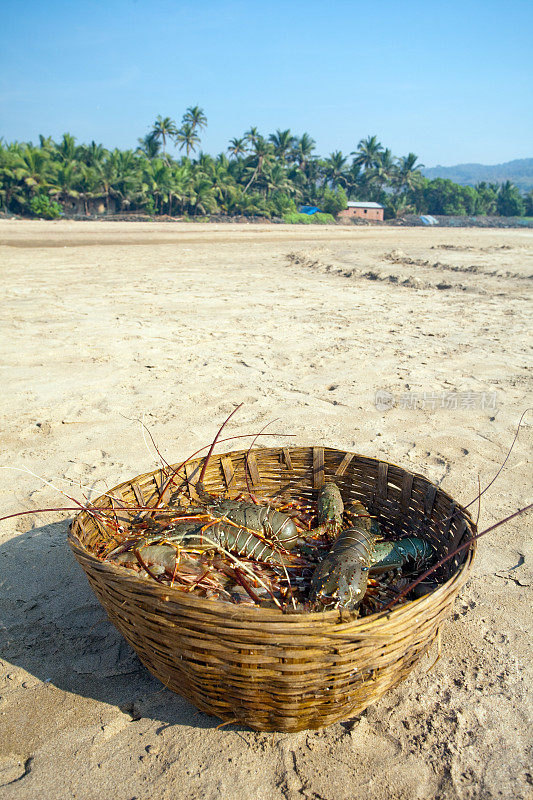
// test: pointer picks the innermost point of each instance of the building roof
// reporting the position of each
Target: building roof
(364, 205)
(309, 209)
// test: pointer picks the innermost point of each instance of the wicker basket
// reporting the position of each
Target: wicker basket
(269, 670)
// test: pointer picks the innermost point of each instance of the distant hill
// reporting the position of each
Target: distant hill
(519, 172)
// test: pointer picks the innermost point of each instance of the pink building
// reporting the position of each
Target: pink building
(373, 211)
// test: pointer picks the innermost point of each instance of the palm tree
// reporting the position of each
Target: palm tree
(195, 116)
(187, 138)
(385, 167)
(255, 175)
(334, 169)
(220, 181)
(237, 147)
(252, 135)
(397, 204)
(88, 185)
(67, 149)
(282, 141)
(47, 143)
(10, 185)
(149, 146)
(64, 181)
(127, 185)
(408, 172)
(277, 180)
(157, 181)
(108, 177)
(164, 128)
(302, 150)
(202, 197)
(32, 168)
(370, 186)
(368, 153)
(353, 181)
(222, 159)
(263, 153)
(92, 154)
(204, 162)
(181, 185)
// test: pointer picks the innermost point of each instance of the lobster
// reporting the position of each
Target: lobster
(245, 528)
(214, 526)
(341, 578)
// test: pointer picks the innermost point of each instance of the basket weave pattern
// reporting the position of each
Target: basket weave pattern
(266, 669)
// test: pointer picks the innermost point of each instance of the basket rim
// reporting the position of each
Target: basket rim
(268, 615)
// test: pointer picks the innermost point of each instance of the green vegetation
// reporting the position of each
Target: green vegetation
(510, 202)
(265, 176)
(519, 172)
(308, 219)
(41, 206)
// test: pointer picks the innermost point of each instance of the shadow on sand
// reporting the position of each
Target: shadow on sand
(52, 625)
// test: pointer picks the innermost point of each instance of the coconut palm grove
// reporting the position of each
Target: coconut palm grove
(268, 176)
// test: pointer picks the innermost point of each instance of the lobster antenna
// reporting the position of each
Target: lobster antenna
(145, 429)
(248, 453)
(90, 508)
(504, 461)
(478, 500)
(208, 456)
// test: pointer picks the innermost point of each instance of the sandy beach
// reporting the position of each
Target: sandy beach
(409, 345)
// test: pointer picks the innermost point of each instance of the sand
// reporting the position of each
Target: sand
(106, 322)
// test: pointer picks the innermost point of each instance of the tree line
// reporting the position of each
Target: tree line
(269, 176)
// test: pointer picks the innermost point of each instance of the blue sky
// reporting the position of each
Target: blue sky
(450, 81)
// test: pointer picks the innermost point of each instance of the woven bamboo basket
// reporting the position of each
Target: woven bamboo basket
(269, 670)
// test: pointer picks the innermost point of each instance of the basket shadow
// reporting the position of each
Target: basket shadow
(54, 628)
